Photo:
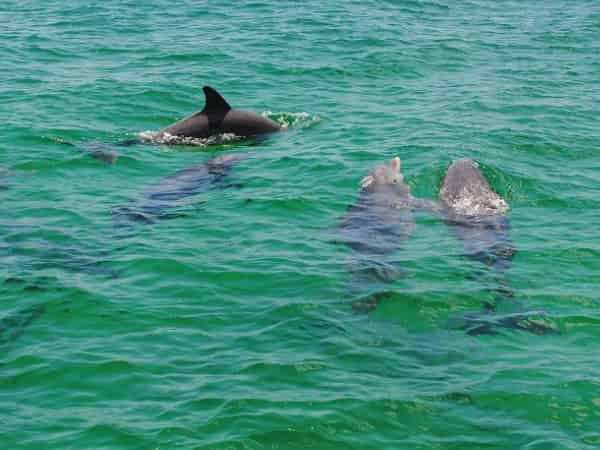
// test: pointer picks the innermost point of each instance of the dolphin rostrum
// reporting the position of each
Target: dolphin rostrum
(377, 225)
(218, 118)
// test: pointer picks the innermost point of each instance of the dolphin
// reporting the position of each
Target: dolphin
(376, 226)
(162, 196)
(477, 217)
(217, 117)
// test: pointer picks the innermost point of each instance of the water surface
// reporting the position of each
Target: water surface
(230, 326)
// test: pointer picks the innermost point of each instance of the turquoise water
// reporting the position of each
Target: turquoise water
(230, 326)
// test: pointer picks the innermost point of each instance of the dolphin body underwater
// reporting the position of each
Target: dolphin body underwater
(375, 227)
(383, 219)
(216, 118)
(164, 195)
(13, 325)
(476, 216)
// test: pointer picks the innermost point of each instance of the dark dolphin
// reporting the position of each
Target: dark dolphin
(218, 117)
(375, 227)
(477, 217)
(162, 196)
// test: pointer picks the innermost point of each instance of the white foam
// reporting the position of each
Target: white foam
(284, 119)
(160, 137)
(290, 119)
(476, 206)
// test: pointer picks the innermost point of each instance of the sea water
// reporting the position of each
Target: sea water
(229, 325)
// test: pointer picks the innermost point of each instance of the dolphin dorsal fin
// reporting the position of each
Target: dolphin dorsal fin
(214, 101)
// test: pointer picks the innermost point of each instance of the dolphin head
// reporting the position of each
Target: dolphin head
(466, 191)
(386, 178)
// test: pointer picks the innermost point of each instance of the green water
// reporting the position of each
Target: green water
(230, 326)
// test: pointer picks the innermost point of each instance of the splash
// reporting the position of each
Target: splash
(160, 137)
(296, 120)
(474, 205)
(285, 119)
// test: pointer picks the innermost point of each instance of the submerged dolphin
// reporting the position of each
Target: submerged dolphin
(376, 226)
(13, 325)
(476, 216)
(162, 196)
(218, 117)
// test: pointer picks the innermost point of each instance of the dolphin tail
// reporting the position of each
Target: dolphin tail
(107, 156)
(105, 153)
(96, 150)
(370, 302)
(535, 322)
(503, 294)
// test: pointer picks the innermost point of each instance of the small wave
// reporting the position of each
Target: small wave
(289, 119)
(160, 137)
(56, 140)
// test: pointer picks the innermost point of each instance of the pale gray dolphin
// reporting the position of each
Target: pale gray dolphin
(218, 117)
(376, 226)
(477, 217)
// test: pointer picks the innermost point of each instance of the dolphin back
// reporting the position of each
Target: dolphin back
(465, 191)
(218, 117)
